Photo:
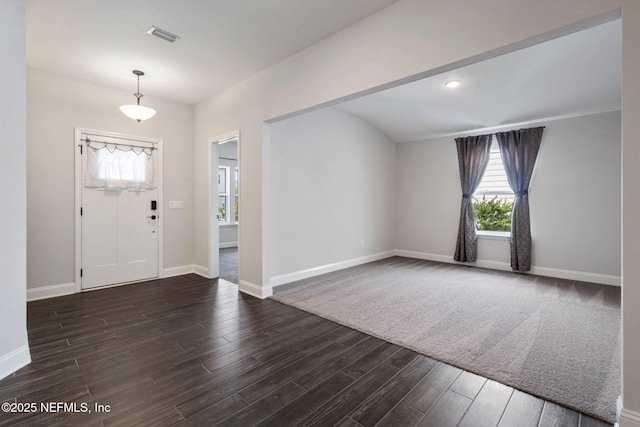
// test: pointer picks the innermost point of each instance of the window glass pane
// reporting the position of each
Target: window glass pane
(222, 208)
(492, 213)
(236, 192)
(493, 200)
(494, 179)
(222, 180)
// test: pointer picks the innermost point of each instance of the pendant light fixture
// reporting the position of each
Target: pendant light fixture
(137, 111)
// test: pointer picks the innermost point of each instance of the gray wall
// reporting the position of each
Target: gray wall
(14, 351)
(402, 42)
(331, 170)
(574, 196)
(56, 105)
(630, 415)
(332, 191)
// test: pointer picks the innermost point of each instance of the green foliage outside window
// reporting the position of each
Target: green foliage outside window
(236, 201)
(492, 215)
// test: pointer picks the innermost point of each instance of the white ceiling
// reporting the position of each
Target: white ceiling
(226, 41)
(572, 75)
(222, 42)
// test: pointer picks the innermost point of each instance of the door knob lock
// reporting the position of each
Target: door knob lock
(152, 217)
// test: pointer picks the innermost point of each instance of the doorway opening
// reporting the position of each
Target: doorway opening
(224, 204)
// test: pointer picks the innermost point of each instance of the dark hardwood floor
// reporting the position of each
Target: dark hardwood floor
(228, 261)
(191, 351)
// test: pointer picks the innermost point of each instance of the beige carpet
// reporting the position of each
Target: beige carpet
(553, 338)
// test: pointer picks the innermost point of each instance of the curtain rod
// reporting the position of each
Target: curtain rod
(89, 141)
(495, 133)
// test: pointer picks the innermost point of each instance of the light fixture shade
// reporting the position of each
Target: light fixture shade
(137, 112)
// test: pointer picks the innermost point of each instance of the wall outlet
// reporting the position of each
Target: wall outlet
(176, 204)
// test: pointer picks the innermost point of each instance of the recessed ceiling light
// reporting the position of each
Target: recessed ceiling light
(452, 83)
(164, 35)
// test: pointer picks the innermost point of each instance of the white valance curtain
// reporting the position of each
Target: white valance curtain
(119, 166)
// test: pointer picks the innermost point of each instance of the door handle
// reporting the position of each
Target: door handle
(152, 217)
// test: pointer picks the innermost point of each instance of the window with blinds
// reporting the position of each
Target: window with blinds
(223, 194)
(493, 199)
(494, 182)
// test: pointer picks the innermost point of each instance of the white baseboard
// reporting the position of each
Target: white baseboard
(201, 271)
(187, 269)
(426, 256)
(328, 268)
(43, 292)
(11, 362)
(540, 271)
(228, 245)
(494, 265)
(629, 418)
(51, 291)
(603, 279)
(178, 271)
(254, 290)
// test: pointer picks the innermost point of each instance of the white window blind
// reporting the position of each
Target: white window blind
(494, 181)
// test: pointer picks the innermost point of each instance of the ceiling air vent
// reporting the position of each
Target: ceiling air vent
(164, 35)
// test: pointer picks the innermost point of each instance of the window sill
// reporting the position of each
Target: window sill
(494, 235)
(227, 224)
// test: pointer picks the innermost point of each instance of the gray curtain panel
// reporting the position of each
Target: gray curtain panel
(473, 157)
(519, 149)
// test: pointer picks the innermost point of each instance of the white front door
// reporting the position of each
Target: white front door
(119, 230)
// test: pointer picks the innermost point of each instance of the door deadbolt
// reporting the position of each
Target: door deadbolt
(152, 217)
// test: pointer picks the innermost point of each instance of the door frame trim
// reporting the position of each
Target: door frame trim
(158, 166)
